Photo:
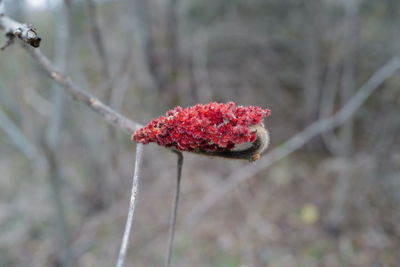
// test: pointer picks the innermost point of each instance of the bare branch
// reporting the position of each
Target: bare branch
(132, 204)
(174, 214)
(13, 29)
(110, 115)
(297, 141)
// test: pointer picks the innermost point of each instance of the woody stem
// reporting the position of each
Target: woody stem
(174, 210)
(131, 210)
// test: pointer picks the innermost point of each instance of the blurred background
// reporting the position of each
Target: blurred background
(65, 175)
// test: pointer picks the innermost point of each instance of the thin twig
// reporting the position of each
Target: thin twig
(131, 211)
(110, 115)
(174, 210)
(297, 141)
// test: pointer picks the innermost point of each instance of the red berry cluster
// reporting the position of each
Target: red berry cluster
(208, 127)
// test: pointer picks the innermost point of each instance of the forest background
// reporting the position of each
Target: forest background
(331, 199)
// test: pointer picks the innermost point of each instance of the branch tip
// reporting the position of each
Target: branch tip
(25, 32)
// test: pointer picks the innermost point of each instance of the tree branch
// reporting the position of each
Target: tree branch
(174, 214)
(13, 29)
(110, 115)
(132, 204)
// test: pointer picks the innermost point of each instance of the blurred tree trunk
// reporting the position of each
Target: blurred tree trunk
(312, 57)
(337, 215)
(172, 37)
(52, 142)
(144, 45)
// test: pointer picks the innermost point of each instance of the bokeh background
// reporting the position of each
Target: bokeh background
(65, 175)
